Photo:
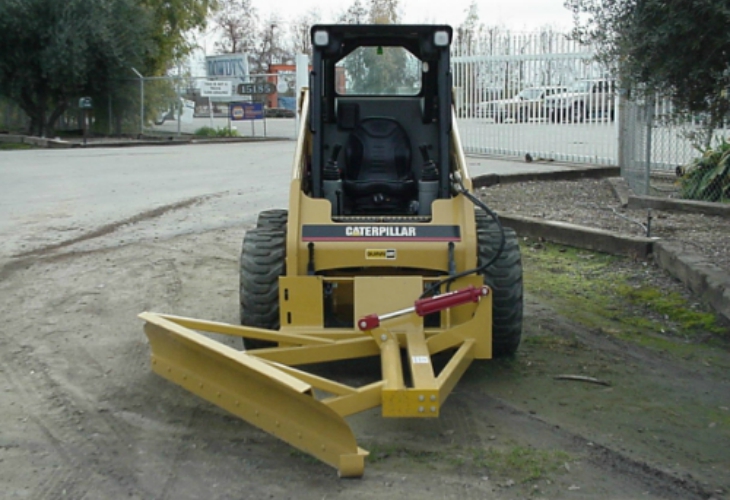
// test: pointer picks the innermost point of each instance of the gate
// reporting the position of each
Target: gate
(539, 94)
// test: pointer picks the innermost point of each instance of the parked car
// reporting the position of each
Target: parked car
(584, 100)
(162, 116)
(279, 113)
(527, 104)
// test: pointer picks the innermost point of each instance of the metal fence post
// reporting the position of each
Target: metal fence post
(649, 114)
(622, 121)
(141, 100)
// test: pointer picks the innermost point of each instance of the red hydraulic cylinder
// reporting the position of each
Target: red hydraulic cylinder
(428, 305)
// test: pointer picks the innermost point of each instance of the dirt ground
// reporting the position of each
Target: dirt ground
(85, 418)
(592, 203)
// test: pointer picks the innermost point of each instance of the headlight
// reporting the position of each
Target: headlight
(441, 38)
(321, 38)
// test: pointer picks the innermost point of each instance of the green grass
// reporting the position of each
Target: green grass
(380, 452)
(519, 463)
(599, 292)
(10, 146)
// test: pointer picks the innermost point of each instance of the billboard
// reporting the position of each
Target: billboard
(227, 66)
(246, 111)
(232, 68)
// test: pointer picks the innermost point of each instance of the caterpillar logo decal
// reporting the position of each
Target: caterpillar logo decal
(378, 232)
(380, 254)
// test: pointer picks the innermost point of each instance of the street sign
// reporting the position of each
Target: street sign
(256, 88)
(246, 111)
(85, 103)
(215, 88)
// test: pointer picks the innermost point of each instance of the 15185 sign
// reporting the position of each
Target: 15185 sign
(256, 88)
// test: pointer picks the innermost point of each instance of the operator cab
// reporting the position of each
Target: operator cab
(380, 119)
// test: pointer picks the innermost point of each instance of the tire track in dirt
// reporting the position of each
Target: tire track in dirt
(661, 483)
(172, 476)
(65, 479)
(25, 259)
(110, 228)
(76, 429)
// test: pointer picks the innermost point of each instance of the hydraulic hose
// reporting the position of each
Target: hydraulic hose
(460, 188)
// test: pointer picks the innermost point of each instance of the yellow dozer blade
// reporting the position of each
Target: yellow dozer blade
(255, 391)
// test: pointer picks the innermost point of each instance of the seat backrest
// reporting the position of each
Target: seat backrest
(378, 149)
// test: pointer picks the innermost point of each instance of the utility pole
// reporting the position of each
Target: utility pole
(271, 46)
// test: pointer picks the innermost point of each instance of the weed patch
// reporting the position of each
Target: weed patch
(601, 292)
(519, 463)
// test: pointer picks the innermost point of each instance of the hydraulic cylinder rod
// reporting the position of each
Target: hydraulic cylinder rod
(426, 306)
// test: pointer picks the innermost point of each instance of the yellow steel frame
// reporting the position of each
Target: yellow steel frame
(305, 410)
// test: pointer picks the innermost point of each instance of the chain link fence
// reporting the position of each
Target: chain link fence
(195, 105)
(668, 154)
(12, 118)
(174, 106)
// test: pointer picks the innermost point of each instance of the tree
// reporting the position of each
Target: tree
(52, 53)
(468, 31)
(677, 48)
(301, 42)
(355, 14)
(269, 47)
(170, 21)
(384, 12)
(236, 21)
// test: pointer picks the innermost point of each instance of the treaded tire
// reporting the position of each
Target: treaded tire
(504, 277)
(262, 262)
(275, 218)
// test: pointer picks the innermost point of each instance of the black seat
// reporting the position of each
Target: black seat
(378, 177)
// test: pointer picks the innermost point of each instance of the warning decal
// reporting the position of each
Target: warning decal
(380, 254)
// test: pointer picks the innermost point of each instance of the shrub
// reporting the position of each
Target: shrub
(219, 132)
(708, 177)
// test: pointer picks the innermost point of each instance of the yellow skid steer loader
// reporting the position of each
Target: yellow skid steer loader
(383, 251)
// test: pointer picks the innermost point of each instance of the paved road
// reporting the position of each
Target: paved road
(49, 196)
(52, 196)
(576, 142)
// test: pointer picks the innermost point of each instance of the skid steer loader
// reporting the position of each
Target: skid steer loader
(383, 251)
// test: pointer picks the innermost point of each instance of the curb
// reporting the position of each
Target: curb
(573, 235)
(163, 141)
(621, 189)
(701, 276)
(559, 175)
(704, 278)
(669, 205)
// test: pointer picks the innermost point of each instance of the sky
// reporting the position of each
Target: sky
(516, 14)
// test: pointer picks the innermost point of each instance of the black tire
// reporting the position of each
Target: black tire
(504, 277)
(273, 219)
(262, 262)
